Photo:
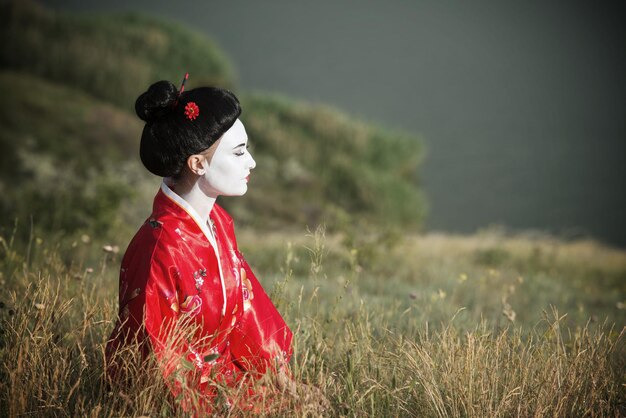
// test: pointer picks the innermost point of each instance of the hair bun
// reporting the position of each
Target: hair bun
(157, 101)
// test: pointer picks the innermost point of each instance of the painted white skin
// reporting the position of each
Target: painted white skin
(225, 173)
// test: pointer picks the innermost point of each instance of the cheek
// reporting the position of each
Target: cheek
(226, 178)
(226, 170)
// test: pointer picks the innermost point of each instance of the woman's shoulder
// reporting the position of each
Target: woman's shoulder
(154, 236)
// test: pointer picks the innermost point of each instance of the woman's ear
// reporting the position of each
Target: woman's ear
(195, 164)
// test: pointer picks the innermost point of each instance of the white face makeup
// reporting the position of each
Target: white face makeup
(228, 171)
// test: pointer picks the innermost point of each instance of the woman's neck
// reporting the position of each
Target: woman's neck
(189, 190)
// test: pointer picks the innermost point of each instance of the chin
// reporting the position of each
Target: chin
(239, 192)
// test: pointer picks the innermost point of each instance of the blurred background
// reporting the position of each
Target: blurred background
(519, 109)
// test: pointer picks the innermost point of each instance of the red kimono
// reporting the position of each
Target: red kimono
(178, 270)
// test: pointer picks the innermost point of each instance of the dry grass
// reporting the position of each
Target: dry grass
(482, 373)
(365, 350)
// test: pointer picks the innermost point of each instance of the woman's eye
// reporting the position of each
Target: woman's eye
(241, 151)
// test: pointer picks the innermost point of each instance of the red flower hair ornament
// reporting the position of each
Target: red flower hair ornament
(192, 110)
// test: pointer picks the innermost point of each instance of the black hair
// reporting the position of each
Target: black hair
(170, 136)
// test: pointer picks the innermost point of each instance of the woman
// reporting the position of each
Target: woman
(186, 292)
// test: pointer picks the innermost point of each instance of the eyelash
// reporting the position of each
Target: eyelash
(239, 154)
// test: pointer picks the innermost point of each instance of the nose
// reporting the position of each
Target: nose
(251, 162)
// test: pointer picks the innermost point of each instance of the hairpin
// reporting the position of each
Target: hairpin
(182, 85)
(182, 88)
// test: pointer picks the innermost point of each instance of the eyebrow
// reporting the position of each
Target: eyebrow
(240, 145)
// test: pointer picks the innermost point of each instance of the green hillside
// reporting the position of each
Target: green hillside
(63, 155)
(112, 57)
(72, 80)
(317, 165)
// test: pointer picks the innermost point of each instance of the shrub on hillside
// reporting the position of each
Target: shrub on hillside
(330, 165)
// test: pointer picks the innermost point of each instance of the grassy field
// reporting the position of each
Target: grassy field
(385, 325)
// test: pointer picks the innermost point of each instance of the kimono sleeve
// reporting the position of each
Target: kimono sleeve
(261, 339)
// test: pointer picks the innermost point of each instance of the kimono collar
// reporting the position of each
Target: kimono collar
(204, 227)
(190, 211)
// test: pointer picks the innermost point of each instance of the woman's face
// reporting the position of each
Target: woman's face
(226, 173)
